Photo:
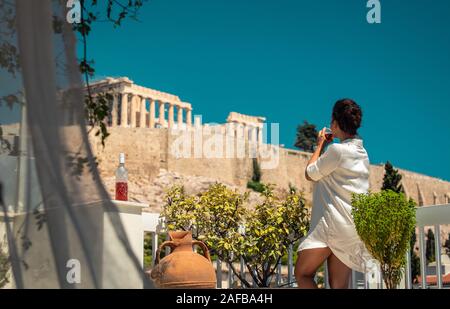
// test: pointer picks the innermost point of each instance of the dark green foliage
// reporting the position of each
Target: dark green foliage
(255, 186)
(415, 261)
(306, 137)
(447, 245)
(255, 183)
(391, 179)
(256, 171)
(148, 258)
(429, 248)
(385, 222)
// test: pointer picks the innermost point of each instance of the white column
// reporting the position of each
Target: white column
(114, 112)
(134, 100)
(239, 130)
(260, 135)
(231, 129)
(180, 117)
(152, 113)
(254, 134)
(143, 114)
(124, 111)
(197, 123)
(171, 114)
(245, 131)
(189, 117)
(161, 113)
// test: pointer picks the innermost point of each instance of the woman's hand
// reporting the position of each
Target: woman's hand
(321, 143)
(321, 139)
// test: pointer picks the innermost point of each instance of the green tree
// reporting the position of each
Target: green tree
(391, 179)
(306, 137)
(447, 245)
(385, 222)
(415, 261)
(260, 235)
(256, 170)
(429, 247)
(255, 183)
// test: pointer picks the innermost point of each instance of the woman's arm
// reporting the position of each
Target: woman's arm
(321, 143)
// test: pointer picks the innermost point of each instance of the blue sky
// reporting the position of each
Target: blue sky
(290, 60)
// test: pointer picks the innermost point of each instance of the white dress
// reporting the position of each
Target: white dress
(342, 169)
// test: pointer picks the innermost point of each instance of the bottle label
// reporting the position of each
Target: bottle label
(121, 191)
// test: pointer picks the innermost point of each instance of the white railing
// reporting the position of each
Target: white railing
(426, 216)
(435, 216)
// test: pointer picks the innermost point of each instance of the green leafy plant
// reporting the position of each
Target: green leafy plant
(385, 222)
(255, 186)
(232, 230)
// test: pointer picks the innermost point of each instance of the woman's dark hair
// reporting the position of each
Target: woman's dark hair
(348, 115)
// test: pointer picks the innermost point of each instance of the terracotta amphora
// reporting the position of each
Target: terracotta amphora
(183, 268)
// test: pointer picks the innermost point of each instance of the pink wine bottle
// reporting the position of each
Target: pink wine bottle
(121, 180)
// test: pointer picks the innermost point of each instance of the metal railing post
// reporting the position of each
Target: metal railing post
(290, 265)
(437, 245)
(219, 273)
(423, 261)
(230, 277)
(408, 279)
(278, 276)
(154, 246)
(325, 276)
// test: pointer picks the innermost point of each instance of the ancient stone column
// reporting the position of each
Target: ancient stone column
(134, 101)
(171, 114)
(124, 111)
(189, 117)
(230, 129)
(180, 117)
(197, 122)
(254, 133)
(114, 111)
(245, 131)
(152, 113)
(161, 113)
(142, 114)
(260, 135)
(239, 130)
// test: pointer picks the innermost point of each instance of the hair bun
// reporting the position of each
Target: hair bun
(348, 115)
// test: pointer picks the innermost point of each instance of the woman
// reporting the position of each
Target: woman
(341, 170)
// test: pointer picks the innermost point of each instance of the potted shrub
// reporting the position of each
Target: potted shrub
(385, 222)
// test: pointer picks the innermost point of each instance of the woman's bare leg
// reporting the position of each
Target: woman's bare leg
(308, 262)
(339, 273)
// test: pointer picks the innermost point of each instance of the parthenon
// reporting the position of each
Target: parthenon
(134, 106)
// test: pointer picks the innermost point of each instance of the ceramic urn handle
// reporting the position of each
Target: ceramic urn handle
(168, 243)
(204, 248)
